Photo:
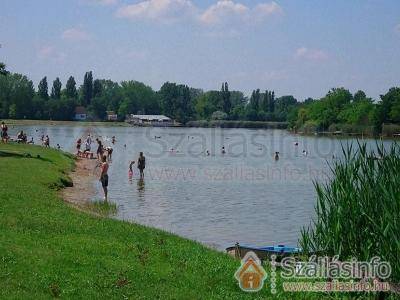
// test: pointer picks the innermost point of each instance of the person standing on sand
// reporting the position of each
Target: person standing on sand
(141, 164)
(104, 176)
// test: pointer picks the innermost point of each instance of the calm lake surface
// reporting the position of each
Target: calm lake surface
(244, 195)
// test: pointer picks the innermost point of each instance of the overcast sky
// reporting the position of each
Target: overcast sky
(302, 47)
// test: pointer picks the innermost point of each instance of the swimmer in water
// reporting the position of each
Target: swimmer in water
(276, 155)
(208, 153)
(223, 150)
(305, 152)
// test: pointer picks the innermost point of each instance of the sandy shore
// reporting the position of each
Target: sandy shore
(83, 177)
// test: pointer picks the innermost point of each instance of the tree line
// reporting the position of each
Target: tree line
(343, 111)
(19, 99)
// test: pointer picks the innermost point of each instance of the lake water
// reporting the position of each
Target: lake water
(244, 195)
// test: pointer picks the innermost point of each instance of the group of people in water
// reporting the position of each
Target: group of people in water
(104, 156)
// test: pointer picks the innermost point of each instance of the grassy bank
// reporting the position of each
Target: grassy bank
(50, 249)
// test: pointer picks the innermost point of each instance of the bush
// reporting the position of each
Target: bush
(389, 129)
(309, 127)
(357, 212)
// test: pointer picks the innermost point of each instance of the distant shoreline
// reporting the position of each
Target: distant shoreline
(23, 122)
(206, 124)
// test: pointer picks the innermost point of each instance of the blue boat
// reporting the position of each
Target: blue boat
(263, 253)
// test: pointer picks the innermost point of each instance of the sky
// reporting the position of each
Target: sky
(301, 48)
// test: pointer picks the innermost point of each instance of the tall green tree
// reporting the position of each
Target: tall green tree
(87, 88)
(56, 89)
(138, 98)
(3, 70)
(97, 88)
(177, 102)
(226, 98)
(255, 100)
(43, 89)
(388, 109)
(16, 94)
(70, 88)
(359, 96)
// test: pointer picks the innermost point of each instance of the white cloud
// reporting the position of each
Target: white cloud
(75, 34)
(50, 52)
(264, 10)
(158, 10)
(222, 10)
(101, 2)
(227, 11)
(311, 54)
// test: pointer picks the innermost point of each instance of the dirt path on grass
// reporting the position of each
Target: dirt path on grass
(83, 178)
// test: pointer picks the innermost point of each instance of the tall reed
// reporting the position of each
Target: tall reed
(358, 210)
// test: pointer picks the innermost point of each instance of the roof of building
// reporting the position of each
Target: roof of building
(80, 110)
(110, 112)
(151, 117)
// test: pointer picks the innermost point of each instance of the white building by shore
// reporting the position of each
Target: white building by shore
(149, 120)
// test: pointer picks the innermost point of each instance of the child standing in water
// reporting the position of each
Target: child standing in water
(130, 173)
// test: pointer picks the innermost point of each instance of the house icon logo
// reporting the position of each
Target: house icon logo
(251, 274)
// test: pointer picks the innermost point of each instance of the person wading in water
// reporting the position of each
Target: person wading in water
(141, 164)
(104, 175)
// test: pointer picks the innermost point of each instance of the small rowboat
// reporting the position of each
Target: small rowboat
(263, 253)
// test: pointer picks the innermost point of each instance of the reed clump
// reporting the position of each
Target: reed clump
(358, 210)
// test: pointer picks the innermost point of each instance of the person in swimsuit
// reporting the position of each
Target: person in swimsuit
(78, 146)
(141, 164)
(109, 151)
(4, 134)
(276, 155)
(47, 141)
(104, 176)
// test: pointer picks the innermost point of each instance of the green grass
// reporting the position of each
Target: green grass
(103, 208)
(49, 249)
